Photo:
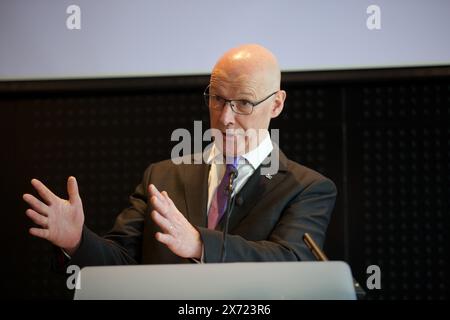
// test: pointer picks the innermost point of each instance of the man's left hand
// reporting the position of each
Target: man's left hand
(176, 232)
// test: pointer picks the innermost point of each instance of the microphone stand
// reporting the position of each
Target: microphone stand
(320, 256)
(229, 209)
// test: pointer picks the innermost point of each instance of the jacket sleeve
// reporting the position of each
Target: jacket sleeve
(123, 244)
(308, 212)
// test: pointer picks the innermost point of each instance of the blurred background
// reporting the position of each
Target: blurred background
(94, 89)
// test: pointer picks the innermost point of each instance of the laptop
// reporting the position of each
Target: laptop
(219, 281)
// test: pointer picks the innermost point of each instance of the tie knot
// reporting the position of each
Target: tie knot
(232, 162)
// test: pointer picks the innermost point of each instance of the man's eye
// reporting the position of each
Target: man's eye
(218, 99)
(244, 104)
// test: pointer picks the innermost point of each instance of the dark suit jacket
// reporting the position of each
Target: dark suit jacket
(267, 223)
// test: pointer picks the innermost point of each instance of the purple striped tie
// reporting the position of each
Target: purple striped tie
(219, 201)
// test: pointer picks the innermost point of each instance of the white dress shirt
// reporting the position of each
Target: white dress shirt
(247, 165)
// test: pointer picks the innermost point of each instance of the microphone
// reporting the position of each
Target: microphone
(233, 176)
(230, 205)
(312, 245)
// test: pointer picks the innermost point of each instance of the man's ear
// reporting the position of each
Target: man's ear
(278, 104)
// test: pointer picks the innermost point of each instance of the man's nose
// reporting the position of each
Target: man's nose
(227, 115)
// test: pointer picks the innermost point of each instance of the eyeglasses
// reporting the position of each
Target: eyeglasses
(238, 106)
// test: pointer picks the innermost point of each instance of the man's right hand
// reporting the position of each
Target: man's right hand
(61, 221)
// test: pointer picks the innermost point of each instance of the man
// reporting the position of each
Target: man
(185, 222)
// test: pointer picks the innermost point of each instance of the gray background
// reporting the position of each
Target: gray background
(167, 37)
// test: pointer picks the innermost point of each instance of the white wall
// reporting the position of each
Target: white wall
(163, 37)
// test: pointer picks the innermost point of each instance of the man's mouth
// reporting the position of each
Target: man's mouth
(232, 133)
(229, 135)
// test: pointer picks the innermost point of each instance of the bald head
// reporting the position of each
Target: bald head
(248, 75)
(249, 65)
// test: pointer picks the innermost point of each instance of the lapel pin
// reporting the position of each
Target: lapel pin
(269, 176)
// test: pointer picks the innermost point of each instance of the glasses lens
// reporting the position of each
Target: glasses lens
(216, 102)
(242, 107)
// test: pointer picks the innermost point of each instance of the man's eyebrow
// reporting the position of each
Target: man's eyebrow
(244, 95)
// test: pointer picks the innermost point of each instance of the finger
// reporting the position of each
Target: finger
(155, 192)
(36, 204)
(159, 206)
(164, 238)
(43, 191)
(72, 190)
(167, 198)
(40, 233)
(165, 225)
(37, 218)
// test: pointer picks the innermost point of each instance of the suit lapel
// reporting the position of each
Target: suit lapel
(196, 192)
(254, 190)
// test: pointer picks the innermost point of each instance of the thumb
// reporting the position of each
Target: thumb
(72, 189)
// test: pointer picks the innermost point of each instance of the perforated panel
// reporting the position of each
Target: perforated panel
(400, 137)
(105, 142)
(385, 144)
(309, 127)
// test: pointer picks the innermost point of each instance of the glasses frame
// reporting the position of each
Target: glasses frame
(207, 96)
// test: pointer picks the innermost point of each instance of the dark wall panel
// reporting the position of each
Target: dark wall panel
(382, 137)
(399, 139)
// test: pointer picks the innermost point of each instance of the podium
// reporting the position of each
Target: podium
(219, 281)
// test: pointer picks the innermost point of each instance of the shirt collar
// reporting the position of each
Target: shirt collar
(255, 157)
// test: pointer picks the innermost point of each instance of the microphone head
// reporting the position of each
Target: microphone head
(233, 176)
(233, 172)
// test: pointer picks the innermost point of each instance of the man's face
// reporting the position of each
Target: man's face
(240, 133)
